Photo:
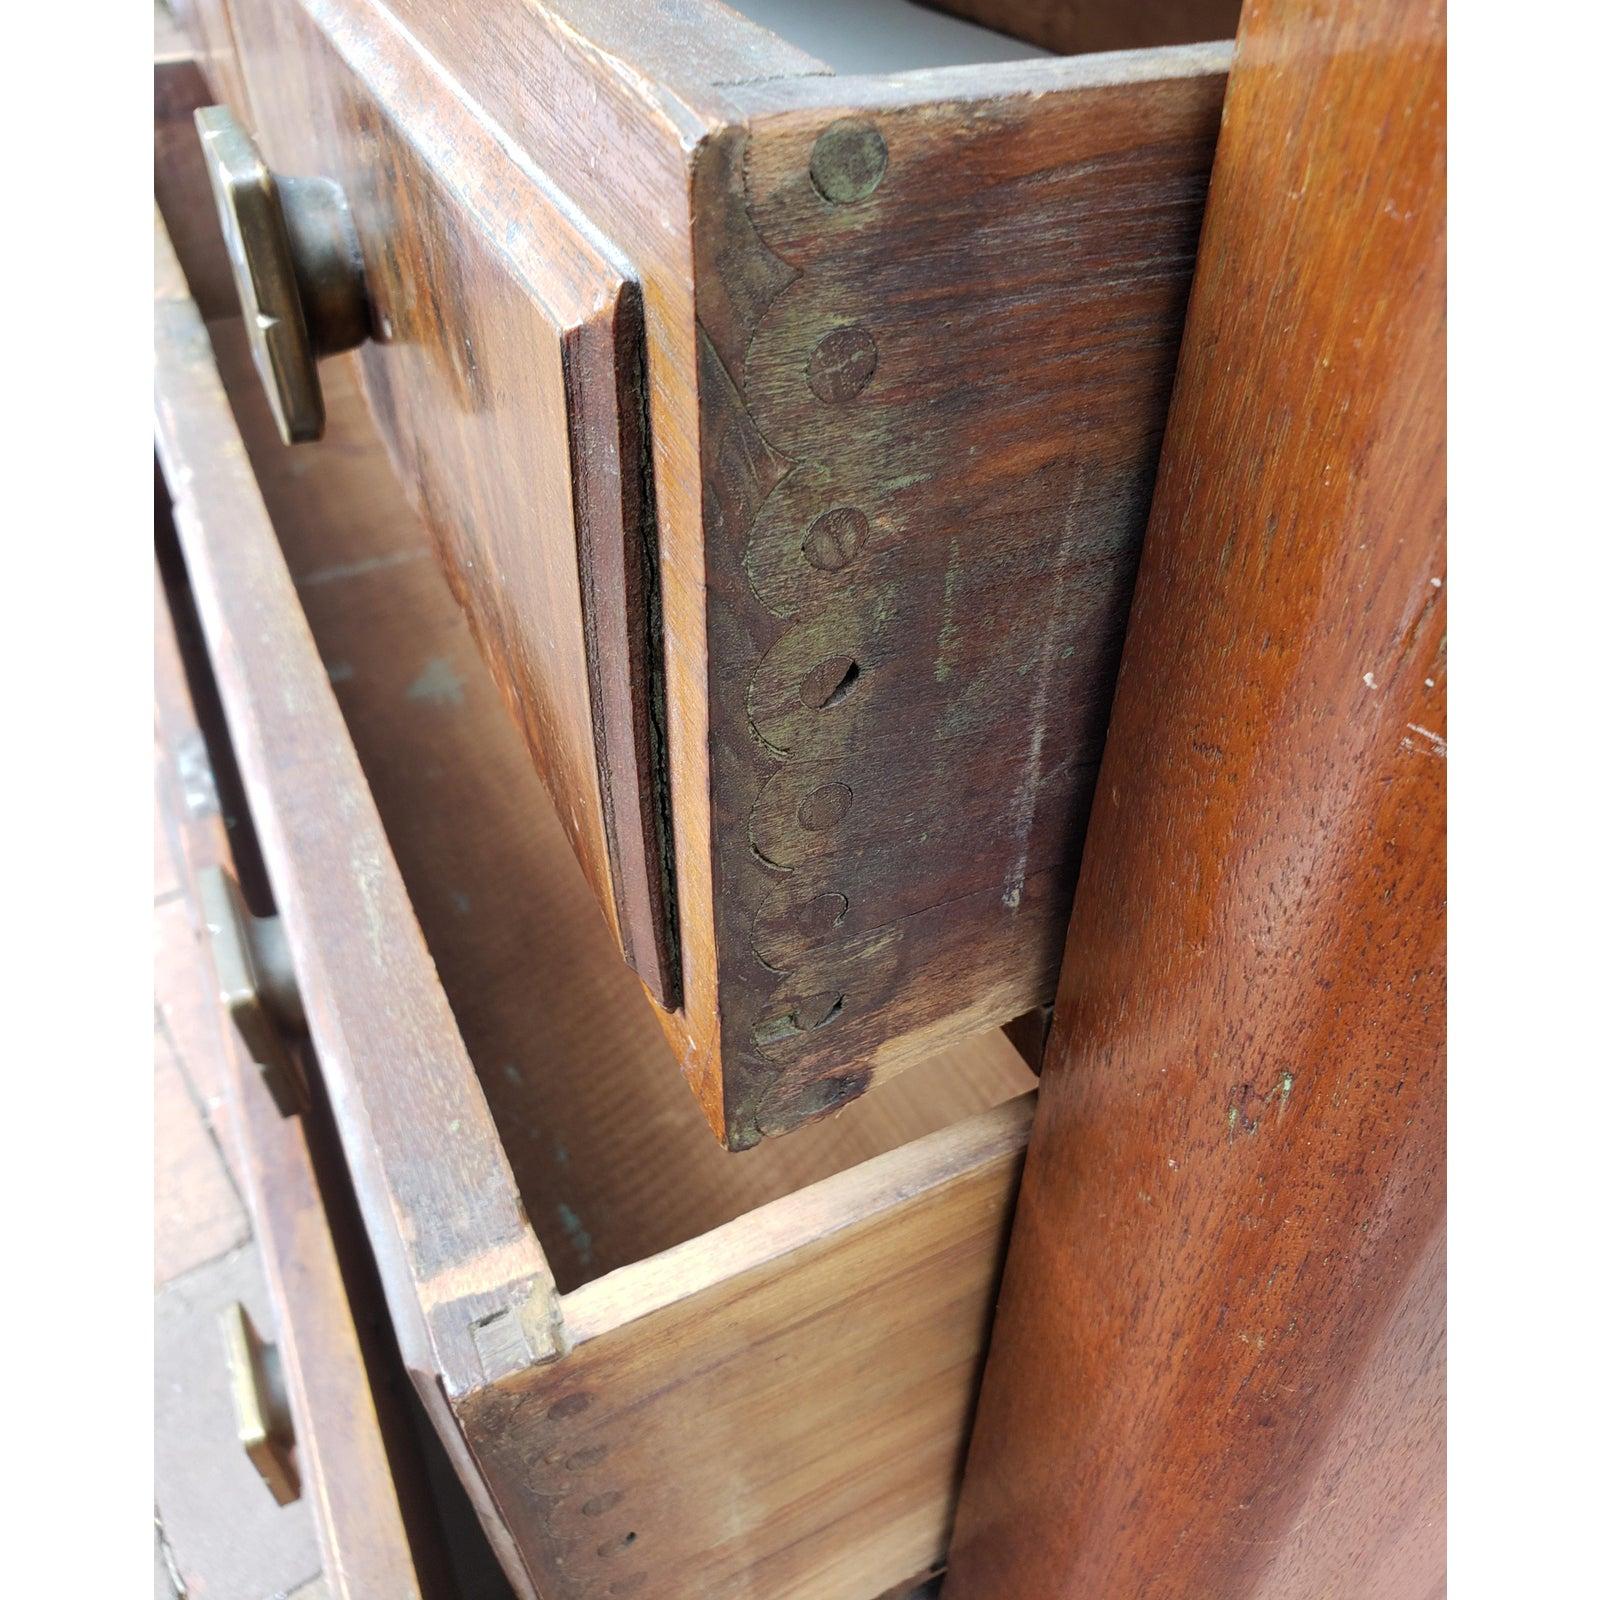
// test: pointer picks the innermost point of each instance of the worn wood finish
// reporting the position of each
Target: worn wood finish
(341, 1455)
(454, 1249)
(1032, 223)
(1218, 1359)
(507, 333)
(779, 1407)
(612, 1165)
(1077, 27)
(182, 189)
(931, 469)
(778, 1251)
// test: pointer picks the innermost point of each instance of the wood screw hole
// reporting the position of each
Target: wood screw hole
(830, 683)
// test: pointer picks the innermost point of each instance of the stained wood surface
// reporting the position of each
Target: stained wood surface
(1218, 1358)
(778, 1408)
(938, 322)
(341, 1454)
(438, 1215)
(644, 1218)
(605, 100)
(704, 1314)
(609, 1155)
(182, 188)
(207, 29)
(639, 116)
(505, 377)
(1089, 25)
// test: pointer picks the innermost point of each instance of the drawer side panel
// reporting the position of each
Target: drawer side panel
(506, 377)
(937, 342)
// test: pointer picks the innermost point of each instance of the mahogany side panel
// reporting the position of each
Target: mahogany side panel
(1218, 1359)
(1089, 25)
(938, 327)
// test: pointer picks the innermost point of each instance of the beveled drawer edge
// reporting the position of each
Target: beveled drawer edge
(452, 1243)
(361, 1529)
(771, 1236)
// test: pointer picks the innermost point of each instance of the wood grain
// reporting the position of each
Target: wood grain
(506, 380)
(609, 1155)
(1024, 370)
(207, 26)
(930, 466)
(368, 983)
(599, 1167)
(606, 100)
(779, 1407)
(341, 1454)
(182, 189)
(1218, 1358)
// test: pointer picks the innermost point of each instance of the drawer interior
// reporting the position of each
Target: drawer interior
(607, 1144)
(885, 36)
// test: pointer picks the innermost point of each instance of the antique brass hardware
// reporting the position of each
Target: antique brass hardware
(260, 1404)
(257, 985)
(296, 264)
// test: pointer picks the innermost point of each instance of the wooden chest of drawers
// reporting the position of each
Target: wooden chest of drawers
(783, 432)
(656, 1364)
(787, 439)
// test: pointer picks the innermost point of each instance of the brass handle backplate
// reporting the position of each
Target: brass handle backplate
(260, 1404)
(257, 984)
(296, 264)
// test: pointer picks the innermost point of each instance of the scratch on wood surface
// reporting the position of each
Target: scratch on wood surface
(437, 684)
(1438, 744)
(1049, 652)
(484, 1273)
(355, 569)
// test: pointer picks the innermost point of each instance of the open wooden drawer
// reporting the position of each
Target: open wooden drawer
(787, 437)
(660, 1368)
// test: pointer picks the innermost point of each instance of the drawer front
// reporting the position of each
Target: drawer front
(504, 372)
(330, 1447)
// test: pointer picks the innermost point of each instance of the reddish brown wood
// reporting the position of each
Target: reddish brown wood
(1217, 1367)
(208, 29)
(374, 1529)
(932, 469)
(731, 1311)
(1087, 25)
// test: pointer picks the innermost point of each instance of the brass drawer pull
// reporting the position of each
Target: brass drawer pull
(256, 982)
(260, 1404)
(296, 264)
